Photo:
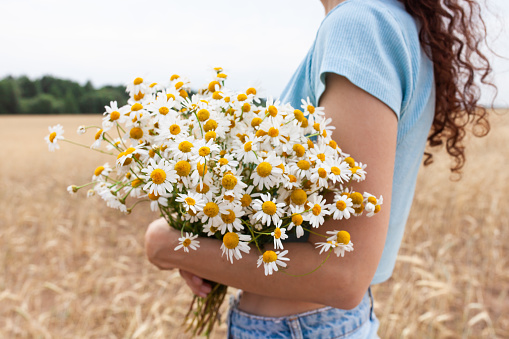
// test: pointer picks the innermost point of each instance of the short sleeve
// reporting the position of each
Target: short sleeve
(363, 42)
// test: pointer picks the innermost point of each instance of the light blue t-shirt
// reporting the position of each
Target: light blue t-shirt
(375, 44)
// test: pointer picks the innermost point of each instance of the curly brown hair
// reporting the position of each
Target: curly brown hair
(452, 33)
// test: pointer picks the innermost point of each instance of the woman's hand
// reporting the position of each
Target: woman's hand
(160, 241)
(196, 284)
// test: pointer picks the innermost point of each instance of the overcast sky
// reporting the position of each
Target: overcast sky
(111, 42)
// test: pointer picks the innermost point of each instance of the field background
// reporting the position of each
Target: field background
(73, 268)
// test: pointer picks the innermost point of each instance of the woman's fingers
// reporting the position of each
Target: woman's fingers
(195, 283)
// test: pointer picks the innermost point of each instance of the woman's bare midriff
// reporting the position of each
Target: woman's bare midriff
(273, 307)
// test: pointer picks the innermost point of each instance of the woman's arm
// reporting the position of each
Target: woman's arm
(365, 128)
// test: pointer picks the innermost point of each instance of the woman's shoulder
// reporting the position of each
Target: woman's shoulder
(365, 16)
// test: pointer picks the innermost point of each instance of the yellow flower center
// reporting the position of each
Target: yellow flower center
(217, 95)
(98, 171)
(153, 196)
(256, 122)
(316, 126)
(127, 161)
(299, 150)
(372, 200)
(223, 161)
(322, 173)
(340, 205)
(273, 132)
(115, 115)
(304, 123)
(205, 188)
(183, 168)
(210, 125)
(260, 133)
(210, 135)
(158, 176)
(204, 151)
(377, 208)
(297, 219)
(311, 109)
(185, 146)
(303, 165)
(228, 218)
(310, 144)
(264, 169)
(190, 201)
(321, 156)
(211, 209)
(138, 81)
(164, 110)
(354, 169)
(343, 237)
(183, 93)
(356, 198)
(202, 169)
(203, 114)
(272, 111)
(178, 85)
(298, 115)
(174, 77)
(96, 137)
(246, 107)
(174, 129)
(136, 107)
(53, 135)
(170, 96)
(241, 97)
(186, 242)
(269, 256)
(359, 209)
(136, 182)
(335, 170)
(281, 166)
(292, 178)
(229, 181)
(248, 146)
(231, 240)
(246, 200)
(212, 86)
(350, 161)
(317, 209)
(251, 90)
(268, 207)
(229, 198)
(222, 75)
(136, 133)
(277, 233)
(151, 153)
(299, 197)
(139, 96)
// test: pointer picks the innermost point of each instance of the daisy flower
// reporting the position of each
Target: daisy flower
(226, 163)
(101, 172)
(188, 241)
(245, 150)
(159, 177)
(311, 111)
(231, 218)
(204, 150)
(372, 205)
(325, 246)
(279, 234)
(342, 242)
(301, 169)
(267, 173)
(55, 133)
(339, 172)
(114, 114)
(212, 214)
(342, 207)
(271, 260)
(268, 210)
(191, 201)
(156, 200)
(137, 86)
(161, 108)
(320, 175)
(182, 148)
(233, 244)
(297, 220)
(233, 185)
(319, 209)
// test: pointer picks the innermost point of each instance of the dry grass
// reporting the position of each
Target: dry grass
(72, 268)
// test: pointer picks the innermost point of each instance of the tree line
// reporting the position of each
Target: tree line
(50, 95)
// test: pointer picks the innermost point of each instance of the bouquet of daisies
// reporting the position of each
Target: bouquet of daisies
(226, 165)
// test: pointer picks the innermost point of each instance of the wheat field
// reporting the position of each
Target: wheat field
(73, 268)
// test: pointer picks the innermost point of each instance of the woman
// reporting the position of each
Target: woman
(387, 72)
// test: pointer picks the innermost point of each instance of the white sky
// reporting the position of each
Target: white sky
(111, 42)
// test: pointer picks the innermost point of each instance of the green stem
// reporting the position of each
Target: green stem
(78, 144)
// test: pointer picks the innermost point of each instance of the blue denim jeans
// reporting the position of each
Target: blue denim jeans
(326, 322)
